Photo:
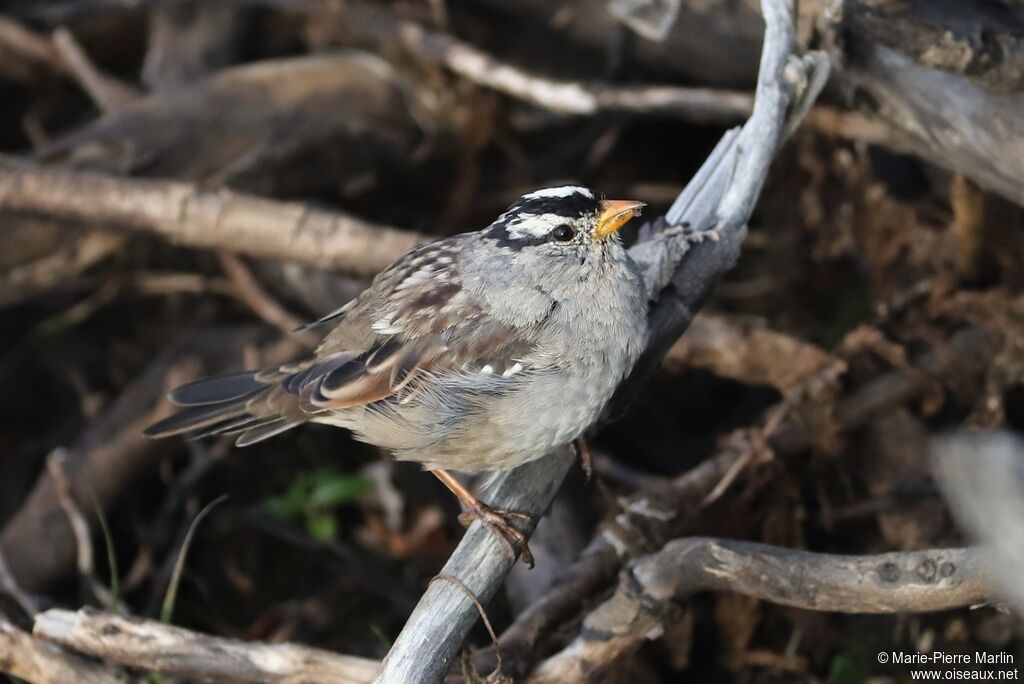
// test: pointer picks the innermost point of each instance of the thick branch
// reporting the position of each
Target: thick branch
(219, 219)
(37, 661)
(934, 113)
(979, 40)
(198, 657)
(644, 603)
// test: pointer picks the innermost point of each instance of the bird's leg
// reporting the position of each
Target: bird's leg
(498, 520)
(582, 450)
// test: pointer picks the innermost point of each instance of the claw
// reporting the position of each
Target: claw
(499, 521)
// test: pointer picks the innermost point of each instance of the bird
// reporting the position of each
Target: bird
(473, 353)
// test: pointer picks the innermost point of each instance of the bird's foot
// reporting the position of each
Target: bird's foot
(500, 522)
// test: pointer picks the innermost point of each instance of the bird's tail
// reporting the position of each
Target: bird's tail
(237, 404)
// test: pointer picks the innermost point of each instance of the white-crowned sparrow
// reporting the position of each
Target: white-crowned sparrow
(478, 352)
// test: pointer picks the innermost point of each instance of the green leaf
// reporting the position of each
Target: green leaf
(381, 636)
(333, 489)
(322, 526)
(108, 539)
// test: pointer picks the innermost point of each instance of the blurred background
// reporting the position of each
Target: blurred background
(877, 303)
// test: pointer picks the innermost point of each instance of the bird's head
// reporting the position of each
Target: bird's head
(567, 221)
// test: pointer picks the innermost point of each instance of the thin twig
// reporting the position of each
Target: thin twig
(479, 609)
(23, 52)
(9, 586)
(79, 526)
(249, 290)
(702, 105)
(106, 92)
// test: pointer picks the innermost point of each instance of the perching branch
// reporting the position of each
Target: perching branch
(645, 601)
(186, 215)
(721, 195)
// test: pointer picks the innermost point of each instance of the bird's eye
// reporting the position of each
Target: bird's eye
(563, 233)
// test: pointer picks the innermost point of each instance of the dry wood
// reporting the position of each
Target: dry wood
(276, 126)
(935, 113)
(57, 269)
(188, 41)
(187, 215)
(40, 662)
(24, 54)
(645, 601)
(978, 40)
(106, 92)
(702, 105)
(9, 586)
(155, 646)
(746, 350)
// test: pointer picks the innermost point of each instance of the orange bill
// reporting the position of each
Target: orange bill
(614, 215)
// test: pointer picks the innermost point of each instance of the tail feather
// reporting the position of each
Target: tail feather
(196, 418)
(238, 403)
(232, 427)
(265, 431)
(257, 405)
(216, 390)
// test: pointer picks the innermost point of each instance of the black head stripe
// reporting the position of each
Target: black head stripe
(568, 202)
(499, 232)
(572, 206)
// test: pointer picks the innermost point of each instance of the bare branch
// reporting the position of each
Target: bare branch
(186, 215)
(23, 53)
(42, 663)
(9, 586)
(152, 645)
(259, 300)
(106, 92)
(702, 105)
(748, 351)
(79, 525)
(645, 601)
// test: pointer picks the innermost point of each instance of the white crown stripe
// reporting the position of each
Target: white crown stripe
(561, 191)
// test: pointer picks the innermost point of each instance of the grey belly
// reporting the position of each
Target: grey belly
(449, 427)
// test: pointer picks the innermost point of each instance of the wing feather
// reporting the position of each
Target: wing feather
(415, 322)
